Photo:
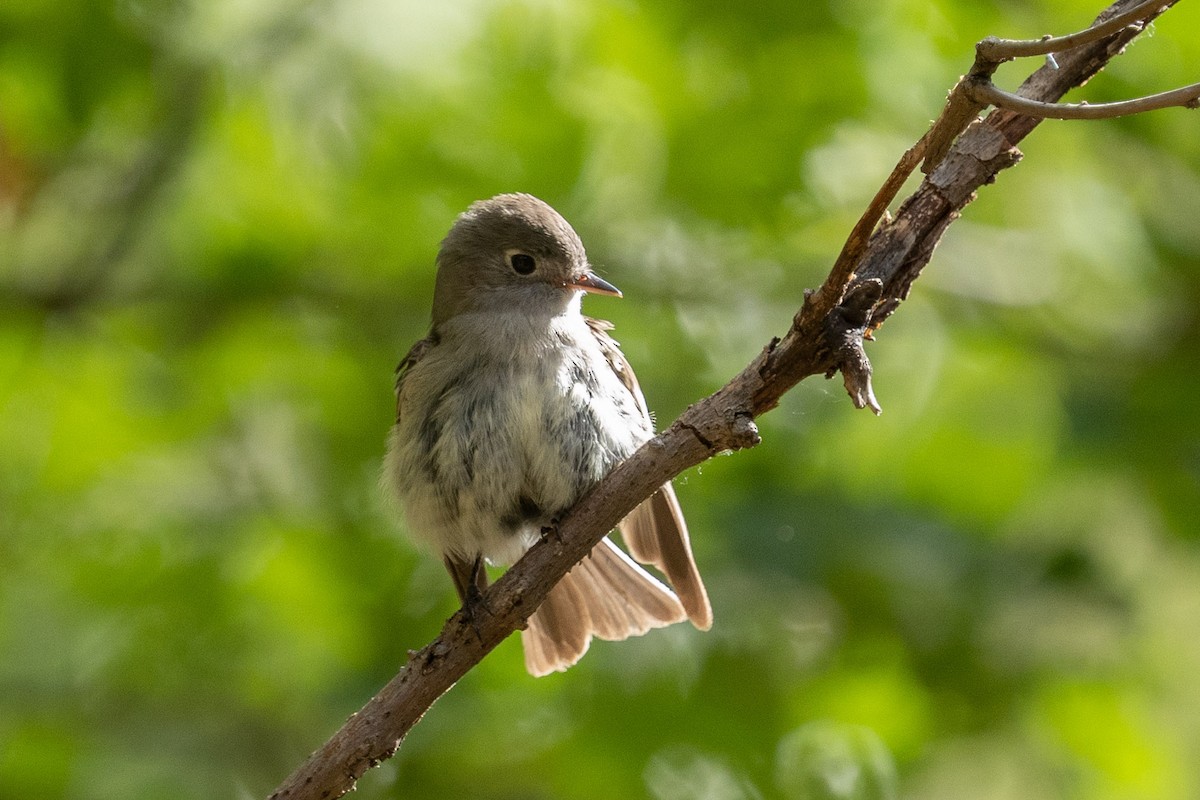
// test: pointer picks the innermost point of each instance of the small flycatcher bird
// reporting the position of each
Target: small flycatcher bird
(511, 408)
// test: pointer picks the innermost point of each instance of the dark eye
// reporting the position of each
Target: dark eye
(522, 263)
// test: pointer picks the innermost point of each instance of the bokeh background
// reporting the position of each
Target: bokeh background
(217, 228)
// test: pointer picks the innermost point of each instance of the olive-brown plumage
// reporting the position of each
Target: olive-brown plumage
(509, 410)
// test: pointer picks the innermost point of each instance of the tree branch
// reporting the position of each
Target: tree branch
(871, 277)
(1066, 56)
(987, 93)
(994, 49)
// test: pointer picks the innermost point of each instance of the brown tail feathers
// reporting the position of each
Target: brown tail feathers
(605, 595)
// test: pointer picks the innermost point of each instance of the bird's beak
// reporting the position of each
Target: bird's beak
(591, 282)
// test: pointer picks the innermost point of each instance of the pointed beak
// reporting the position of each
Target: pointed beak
(591, 282)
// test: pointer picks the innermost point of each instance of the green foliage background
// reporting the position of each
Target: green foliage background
(217, 227)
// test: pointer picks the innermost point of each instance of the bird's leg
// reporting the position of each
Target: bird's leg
(470, 581)
(551, 529)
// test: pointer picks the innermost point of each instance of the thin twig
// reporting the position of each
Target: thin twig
(833, 289)
(987, 93)
(998, 50)
(976, 91)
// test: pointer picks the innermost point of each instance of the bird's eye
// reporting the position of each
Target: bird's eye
(522, 263)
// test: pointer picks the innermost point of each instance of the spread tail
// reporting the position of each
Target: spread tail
(605, 595)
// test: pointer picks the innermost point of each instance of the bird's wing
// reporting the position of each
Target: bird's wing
(655, 531)
(616, 360)
(414, 354)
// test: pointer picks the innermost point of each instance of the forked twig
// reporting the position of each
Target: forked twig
(976, 90)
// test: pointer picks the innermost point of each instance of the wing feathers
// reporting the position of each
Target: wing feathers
(656, 533)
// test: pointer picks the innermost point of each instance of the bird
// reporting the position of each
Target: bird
(509, 410)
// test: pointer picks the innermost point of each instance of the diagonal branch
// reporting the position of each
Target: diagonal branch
(871, 277)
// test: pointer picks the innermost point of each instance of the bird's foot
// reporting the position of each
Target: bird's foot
(551, 530)
(475, 605)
